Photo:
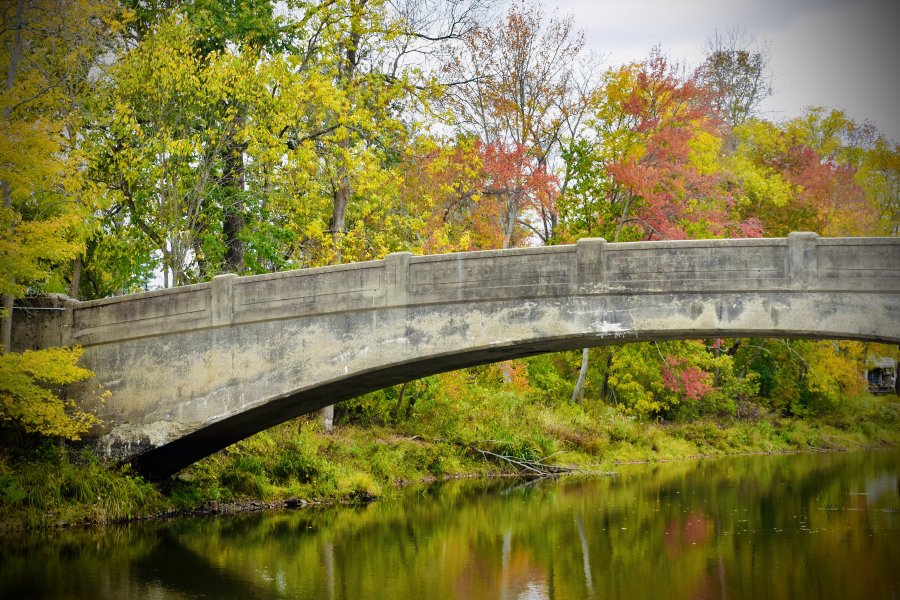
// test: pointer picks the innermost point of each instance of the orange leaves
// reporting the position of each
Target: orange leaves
(513, 169)
(818, 159)
(474, 193)
(521, 96)
(663, 120)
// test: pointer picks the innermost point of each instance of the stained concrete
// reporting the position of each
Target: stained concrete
(193, 369)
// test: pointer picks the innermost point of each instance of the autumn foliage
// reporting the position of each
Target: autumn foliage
(160, 144)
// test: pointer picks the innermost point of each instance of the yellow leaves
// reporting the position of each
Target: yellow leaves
(28, 249)
(162, 74)
(761, 141)
(761, 185)
(27, 397)
(879, 175)
(42, 164)
(115, 17)
(635, 378)
(705, 150)
(315, 229)
(53, 365)
(30, 156)
(835, 368)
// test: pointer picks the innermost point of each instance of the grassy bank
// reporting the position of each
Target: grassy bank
(52, 486)
(364, 458)
(299, 460)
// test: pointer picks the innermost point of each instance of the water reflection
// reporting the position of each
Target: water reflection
(823, 525)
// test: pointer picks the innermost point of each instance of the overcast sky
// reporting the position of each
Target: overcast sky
(834, 53)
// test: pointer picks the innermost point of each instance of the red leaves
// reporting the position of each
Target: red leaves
(509, 167)
(828, 197)
(476, 190)
(692, 382)
(514, 184)
(668, 113)
(834, 201)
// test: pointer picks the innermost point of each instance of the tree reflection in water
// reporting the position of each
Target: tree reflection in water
(818, 525)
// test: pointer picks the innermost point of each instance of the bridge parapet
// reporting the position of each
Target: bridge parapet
(803, 261)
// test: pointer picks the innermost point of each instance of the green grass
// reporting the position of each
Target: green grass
(439, 440)
(51, 487)
(299, 460)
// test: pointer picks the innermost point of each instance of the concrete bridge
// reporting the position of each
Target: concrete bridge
(193, 369)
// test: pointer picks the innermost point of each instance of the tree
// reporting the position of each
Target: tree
(736, 73)
(29, 400)
(48, 49)
(807, 174)
(241, 138)
(167, 147)
(366, 50)
(682, 379)
(48, 53)
(518, 93)
(364, 46)
(650, 165)
(441, 188)
(880, 177)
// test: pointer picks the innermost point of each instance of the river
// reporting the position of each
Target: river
(799, 526)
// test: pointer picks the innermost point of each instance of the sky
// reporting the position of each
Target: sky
(841, 54)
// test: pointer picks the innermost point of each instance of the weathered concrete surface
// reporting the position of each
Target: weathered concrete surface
(193, 369)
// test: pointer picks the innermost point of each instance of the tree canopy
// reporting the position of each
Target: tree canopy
(161, 143)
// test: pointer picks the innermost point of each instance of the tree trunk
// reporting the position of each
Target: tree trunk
(8, 299)
(584, 357)
(16, 51)
(512, 215)
(233, 180)
(338, 216)
(233, 225)
(75, 284)
(342, 188)
(897, 376)
(604, 389)
(341, 199)
(15, 54)
(326, 414)
(6, 324)
(578, 392)
(398, 409)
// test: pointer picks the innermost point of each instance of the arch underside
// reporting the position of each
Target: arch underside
(378, 348)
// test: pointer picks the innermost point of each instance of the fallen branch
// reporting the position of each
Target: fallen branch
(536, 468)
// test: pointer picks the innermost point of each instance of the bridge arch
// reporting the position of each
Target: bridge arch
(193, 369)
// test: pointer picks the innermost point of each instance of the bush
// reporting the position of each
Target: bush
(295, 463)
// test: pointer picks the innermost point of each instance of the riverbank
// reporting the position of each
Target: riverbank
(740, 527)
(297, 463)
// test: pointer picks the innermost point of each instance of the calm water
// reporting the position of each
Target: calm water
(805, 526)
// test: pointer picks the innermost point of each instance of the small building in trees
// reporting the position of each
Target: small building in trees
(882, 375)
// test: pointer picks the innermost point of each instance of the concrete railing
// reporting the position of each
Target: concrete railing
(802, 261)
